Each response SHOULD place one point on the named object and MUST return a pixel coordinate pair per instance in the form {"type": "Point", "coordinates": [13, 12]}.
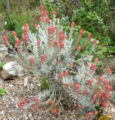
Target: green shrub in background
{"type": "Point", "coordinates": [2, 5]}
{"type": "Point", "coordinates": [15, 23]}
{"type": "Point", "coordinates": [94, 16]}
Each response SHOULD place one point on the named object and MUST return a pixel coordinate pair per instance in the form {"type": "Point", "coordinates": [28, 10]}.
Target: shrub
{"type": "Point", "coordinates": [50, 55]}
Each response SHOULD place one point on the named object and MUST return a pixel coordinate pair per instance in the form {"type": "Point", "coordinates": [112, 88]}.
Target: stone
{"type": "Point", "coordinates": [3, 52]}
{"type": "Point", "coordinates": [25, 81]}
{"type": "Point", "coordinates": [11, 70]}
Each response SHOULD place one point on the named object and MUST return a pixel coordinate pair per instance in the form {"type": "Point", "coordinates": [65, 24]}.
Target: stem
{"type": "Point", "coordinates": [51, 107]}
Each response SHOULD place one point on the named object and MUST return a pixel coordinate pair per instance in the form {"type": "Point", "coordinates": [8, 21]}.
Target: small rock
{"type": "Point", "coordinates": [25, 81]}
{"type": "Point", "coordinates": [3, 51]}
{"type": "Point", "coordinates": [11, 70]}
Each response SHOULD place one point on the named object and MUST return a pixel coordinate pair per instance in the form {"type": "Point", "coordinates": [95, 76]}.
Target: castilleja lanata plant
{"type": "Point", "coordinates": [49, 55]}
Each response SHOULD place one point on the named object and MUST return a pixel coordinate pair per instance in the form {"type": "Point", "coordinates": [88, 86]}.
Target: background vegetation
{"type": "Point", "coordinates": [94, 16]}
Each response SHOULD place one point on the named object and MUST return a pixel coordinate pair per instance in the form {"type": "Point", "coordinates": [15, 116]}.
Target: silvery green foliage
{"type": "Point", "coordinates": [54, 84]}
{"type": "Point", "coordinates": [81, 77]}
{"type": "Point", "coordinates": [50, 71]}
{"type": "Point", "coordinates": [63, 55]}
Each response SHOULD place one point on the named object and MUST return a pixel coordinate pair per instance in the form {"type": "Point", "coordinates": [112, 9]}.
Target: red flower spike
{"type": "Point", "coordinates": [52, 102]}
{"type": "Point", "coordinates": [60, 32]}
{"type": "Point", "coordinates": [54, 13]}
{"type": "Point", "coordinates": [96, 60]}
{"type": "Point", "coordinates": [19, 105]}
{"type": "Point", "coordinates": [55, 43]}
{"type": "Point", "coordinates": [24, 101]}
{"type": "Point", "coordinates": [35, 107]}
{"type": "Point", "coordinates": [43, 13]}
{"type": "Point", "coordinates": [65, 37]}
{"type": "Point", "coordinates": [72, 65]}
{"type": "Point", "coordinates": [90, 82]}
{"type": "Point", "coordinates": [67, 85]}
{"type": "Point", "coordinates": [102, 92]}
{"type": "Point", "coordinates": [51, 29]}
{"type": "Point", "coordinates": [25, 29]}
{"type": "Point", "coordinates": [60, 75]}
{"type": "Point", "coordinates": [38, 43]}
{"type": "Point", "coordinates": [107, 95]}
{"type": "Point", "coordinates": [35, 25]}
{"type": "Point", "coordinates": [81, 32]}
{"type": "Point", "coordinates": [61, 45]}
{"type": "Point", "coordinates": [41, 7]}
{"type": "Point", "coordinates": [79, 106]}
{"type": "Point", "coordinates": [43, 58]}
{"type": "Point", "coordinates": [103, 98]}
{"type": "Point", "coordinates": [35, 99]}
{"type": "Point", "coordinates": [94, 41]}
{"type": "Point", "coordinates": [106, 82]}
{"type": "Point", "coordinates": [47, 20]}
{"type": "Point", "coordinates": [94, 96]}
{"type": "Point", "coordinates": [24, 39]}
{"type": "Point", "coordinates": [14, 33]}
{"type": "Point", "coordinates": [97, 103]}
{"type": "Point", "coordinates": [104, 104]}
{"type": "Point", "coordinates": [89, 35]}
{"type": "Point", "coordinates": [32, 62]}
{"type": "Point", "coordinates": [54, 111]}
{"type": "Point", "coordinates": [79, 48]}
{"type": "Point", "coordinates": [72, 24]}
{"type": "Point", "coordinates": [26, 25]}
{"type": "Point", "coordinates": [89, 114]}
{"type": "Point", "coordinates": [66, 72]}
{"type": "Point", "coordinates": [96, 112]}
{"type": "Point", "coordinates": [61, 37]}
{"type": "Point", "coordinates": [58, 62]}
{"type": "Point", "coordinates": [85, 92]}
{"type": "Point", "coordinates": [76, 87]}
{"type": "Point", "coordinates": [108, 70]}
{"type": "Point", "coordinates": [100, 78]}
{"type": "Point", "coordinates": [40, 19]}
{"type": "Point", "coordinates": [23, 34]}
{"type": "Point", "coordinates": [108, 87]}
{"type": "Point", "coordinates": [17, 43]}
{"type": "Point", "coordinates": [92, 67]}
{"type": "Point", "coordinates": [5, 38]}
{"type": "Point", "coordinates": [46, 12]}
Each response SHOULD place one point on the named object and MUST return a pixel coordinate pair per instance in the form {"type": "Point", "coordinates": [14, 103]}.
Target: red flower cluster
{"type": "Point", "coordinates": [32, 62]}
{"type": "Point", "coordinates": [43, 58]}
{"type": "Point", "coordinates": [44, 15]}
{"type": "Point", "coordinates": [23, 101]}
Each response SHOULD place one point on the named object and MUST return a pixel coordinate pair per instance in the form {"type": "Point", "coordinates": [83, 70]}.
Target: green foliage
{"type": "Point", "coordinates": [2, 5]}
{"type": "Point", "coordinates": [15, 23]}
{"type": "Point", "coordinates": [44, 84]}
{"type": "Point", "coordinates": [2, 92]}
{"type": "Point", "coordinates": [94, 16]}
{"type": "Point", "coordinates": [2, 64]}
